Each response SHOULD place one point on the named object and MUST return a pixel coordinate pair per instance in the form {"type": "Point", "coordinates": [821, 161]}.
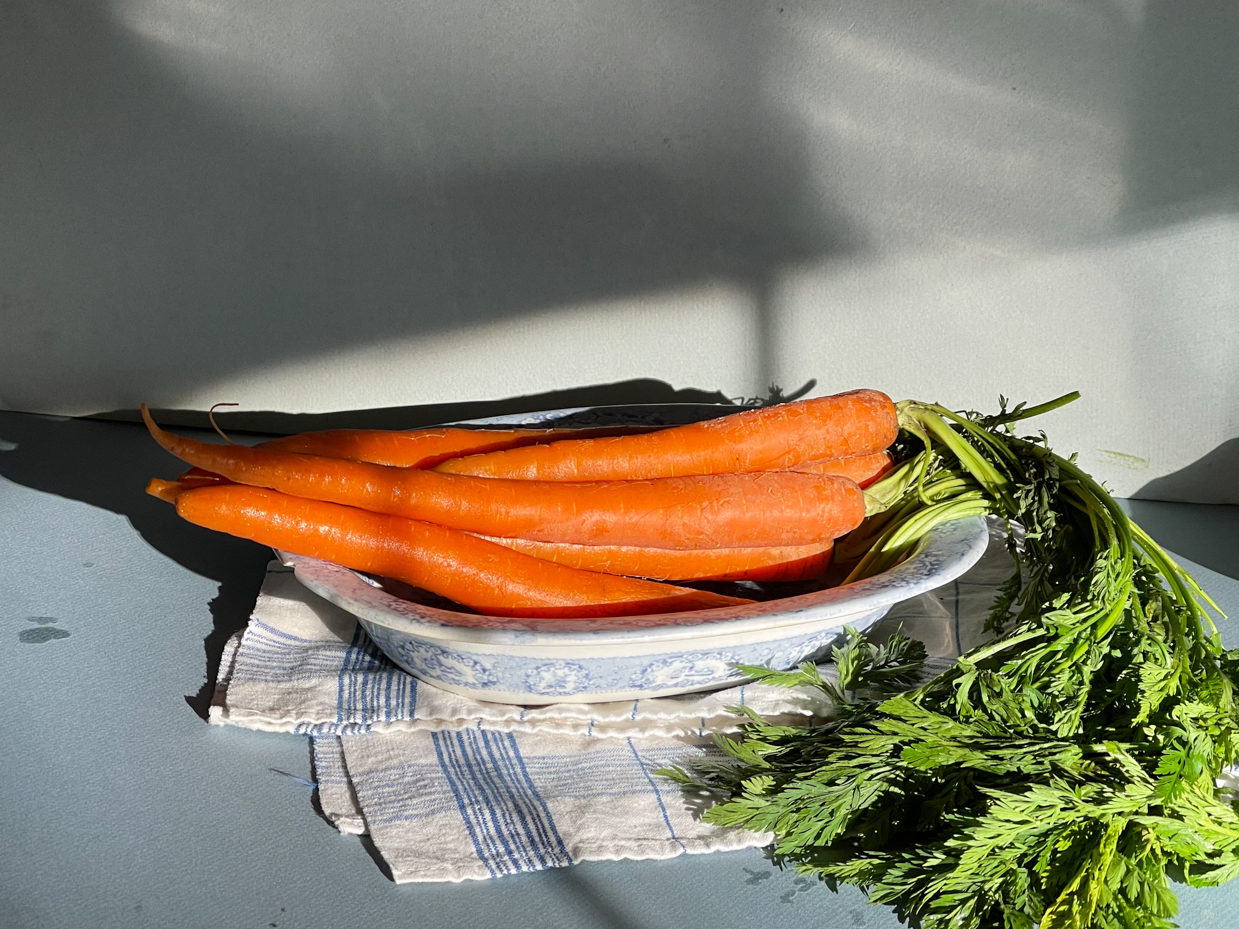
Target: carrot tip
{"type": "Point", "coordinates": [149, 420]}
{"type": "Point", "coordinates": [215, 425]}
{"type": "Point", "coordinates": [164, 490]}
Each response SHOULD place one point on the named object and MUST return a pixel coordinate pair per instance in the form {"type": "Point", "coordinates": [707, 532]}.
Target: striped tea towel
{"type": "Point", "coordinates": [452, 789]}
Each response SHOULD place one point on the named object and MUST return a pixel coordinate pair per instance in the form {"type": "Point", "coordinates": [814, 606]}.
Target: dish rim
{"type": "Point", "coordinates": [944, 554]}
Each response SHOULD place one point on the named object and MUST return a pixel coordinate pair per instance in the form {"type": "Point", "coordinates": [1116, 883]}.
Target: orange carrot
{"type": "Point", "coordinates": [769, 563]}
{"type": "Point", "coordinates": [199, 478]}
{"type": "Point", "coordinates": [863, 469]}
{"type": "Point", "coordinates": [706, 511]}
{"type": "Point", "coordinates": [418, 448]}
{"type": "Point", "coordinates": [773, 563]}
{"type": "Point", "coordinates": [423, 448]}
{"type": "Point", "coordinates": [772, 438]}
{"type": "Point", "coordinates": [167, 490]}
{"type": "Point", "coordinates": [484, 576]}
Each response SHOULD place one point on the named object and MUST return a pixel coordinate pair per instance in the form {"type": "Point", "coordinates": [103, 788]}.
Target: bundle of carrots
{"type": "Point", "coordinates": [555, 522]}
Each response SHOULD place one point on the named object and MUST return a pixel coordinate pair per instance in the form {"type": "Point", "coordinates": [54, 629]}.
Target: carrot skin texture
{"type": "Point", "coordinates": [863, 469]}
{"type": "Point", "coordinates": [708, 511]}
{"type": "Point", "coordinates": [773, 563]}
{"type": "Point", "coordinates": [803, 569]}
{"type": "Point", "coordinates": [469, 570]}
{"type": "Point", "coordinates": [418, 448]}
{"type": "Point", "coordinates": [771, 438]}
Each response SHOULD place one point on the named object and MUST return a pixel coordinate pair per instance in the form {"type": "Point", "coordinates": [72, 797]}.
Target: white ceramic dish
{"type": "Point", "coordinates": [626, 658]}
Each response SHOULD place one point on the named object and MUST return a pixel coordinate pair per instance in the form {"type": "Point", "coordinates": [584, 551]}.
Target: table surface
{"type": "Point", "coordinates": [122, 807]}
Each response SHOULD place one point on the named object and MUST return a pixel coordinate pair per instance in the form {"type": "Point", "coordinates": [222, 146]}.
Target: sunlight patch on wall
{"type": "Point", "coordinates": [936, 137]}
{"type": "Point", "coordinates": [705, 337]}
{"type": "Point", "coordinates": [1145, 327]}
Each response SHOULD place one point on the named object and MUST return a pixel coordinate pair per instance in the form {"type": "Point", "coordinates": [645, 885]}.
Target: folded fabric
{"type": "Point", "coordinates": [452, 789]}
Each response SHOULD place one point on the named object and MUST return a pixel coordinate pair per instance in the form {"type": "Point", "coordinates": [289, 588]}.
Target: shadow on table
{"type": "Point", "coordinates": [1192, 512]}
{"type": "Point", "coordinates": [1205, 534]}
{"type": "Point", "coordinates": [1213, 478]}
{"type": "Point", "coordinates": [603, 912]}
{"type": "Point", "coordinates": [107, 464]}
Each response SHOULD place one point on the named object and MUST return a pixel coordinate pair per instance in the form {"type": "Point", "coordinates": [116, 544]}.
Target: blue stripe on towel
{"type": "Point", "coordinates": [370, 688]}
{"type": "Point", "coordinates": [499, 770]}
{"type": "Point", "coordinates": [496, 812]}
{"type": "Point", "coordinates": [344, 680]}
{"type": "Point", "coordinates": [657, 795]}
{"type": "Point", "coordinates": [482, 806]}
{"type": "Point", "coordinates": [439, 739]}
{"type": "Point", "coordinates": [507, 818]}
{"type": "Point", "coordinates": [545, 823]}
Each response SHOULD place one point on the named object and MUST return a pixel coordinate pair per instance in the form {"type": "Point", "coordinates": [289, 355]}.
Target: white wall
{"type": "Point", "coordinates": [309, 206]}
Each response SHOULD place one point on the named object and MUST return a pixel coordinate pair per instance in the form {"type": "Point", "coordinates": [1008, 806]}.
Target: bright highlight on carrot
{"type": "Point", "coordinates": [420, 448]}
{"type": "Point", "coordinates": [771, 563]}
{"type": "Point", "coordinates": [462, 567]}
{"type": "Point", "coordinates": [551, 522]}
{"type": "Point", "coordinates": [706, 511]}
{"type": "Point", "coordinates": [770, 438]}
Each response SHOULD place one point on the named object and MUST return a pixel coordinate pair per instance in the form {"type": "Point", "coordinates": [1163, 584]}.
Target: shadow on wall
{"type": "Point", "coordinates": [1183, 136]}
{"type": "Point", "coordinates": [1183, 130]}
{"type": "Point", "coordinates": [1202, 534]}
{"type": "Point", "coordinates": [181, 221]}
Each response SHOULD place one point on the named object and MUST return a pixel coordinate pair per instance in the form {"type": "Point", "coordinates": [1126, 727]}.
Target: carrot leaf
{"type": "Point", "coordinates": [1052, 778]}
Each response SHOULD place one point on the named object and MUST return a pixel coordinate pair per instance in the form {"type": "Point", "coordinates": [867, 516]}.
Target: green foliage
{"type": "Point", "coordinates": [862, 666]}
{"type": "Point", "coordinates": [1050, 779]}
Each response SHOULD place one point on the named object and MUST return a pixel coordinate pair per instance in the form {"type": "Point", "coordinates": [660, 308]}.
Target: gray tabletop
{"type": "Point", "coordinates": [122, 807]}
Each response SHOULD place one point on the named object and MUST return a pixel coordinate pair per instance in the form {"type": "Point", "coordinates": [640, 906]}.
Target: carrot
{"type": "Point", "coordinates": [167, 490]}
{"type": "Point", "coordinates": [863, 469]}
{"type": "Point", "coordinates": [479, 574]}
{"type": "Point", "coordinates": [768, 563]}
{"type": "Point", "coordinates": [199, 476]}
{"type": "Point", "coordinates": [772, 438]}
{"type": "Point", "coordinates": [423, 448]}
{"type": "Point", "coordinates": [418, 448]}
{"type": "Point", "coordinates": [705, 511]}
{"type": "Point", "coordinates": [773, 563]}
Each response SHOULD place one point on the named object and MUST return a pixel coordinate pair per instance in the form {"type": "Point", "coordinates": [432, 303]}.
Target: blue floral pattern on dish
{"type": "Point", "coordinates": [557, 678]}
{"type": "Point", "coordinates": [660, 674]}
{"type": "Point", "coordinates": [435, 662]}
{"type": "Point", "coordinates": [538, 661]}
{"type": "Point", "coordinates": [691, 669]}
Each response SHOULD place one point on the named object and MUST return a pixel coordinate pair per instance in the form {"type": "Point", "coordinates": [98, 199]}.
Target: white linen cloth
{"type": "Point", "coordinates": [452, 789]}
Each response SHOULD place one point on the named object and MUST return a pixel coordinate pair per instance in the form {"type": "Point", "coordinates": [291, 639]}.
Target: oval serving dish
{"type": "Point", "coordinates": [542, 661]}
